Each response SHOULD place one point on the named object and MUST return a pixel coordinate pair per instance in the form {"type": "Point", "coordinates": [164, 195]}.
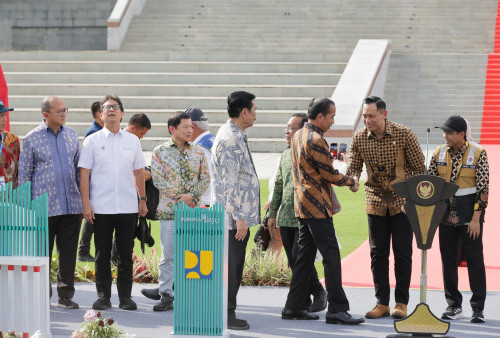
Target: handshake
{"type": "Point", "coordinates": [355, 187]}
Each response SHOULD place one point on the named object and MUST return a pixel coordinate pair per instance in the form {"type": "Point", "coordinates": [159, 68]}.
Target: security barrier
{"type": "Point", "coordinates": [24, 263]}
{"type": "Point", "coordinates": [200, 306]}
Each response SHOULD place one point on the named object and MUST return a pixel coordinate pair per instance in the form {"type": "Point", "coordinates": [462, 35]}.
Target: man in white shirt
{"type": "Point", "coordinates": [109, 199]}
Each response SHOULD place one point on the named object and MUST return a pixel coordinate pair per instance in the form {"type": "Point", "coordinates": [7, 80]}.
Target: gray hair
{"type": "Point", "coordinates": [203, 125]}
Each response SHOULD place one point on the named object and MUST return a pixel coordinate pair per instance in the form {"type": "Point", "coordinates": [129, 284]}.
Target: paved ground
{"type": "Point", "coordinates": [261, 306]}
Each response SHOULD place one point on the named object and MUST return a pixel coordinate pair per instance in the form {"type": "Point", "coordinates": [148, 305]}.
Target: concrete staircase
{"type": "Point", "coordinates": [158, 88]}
{"type": "Point", "coordinates": [423, 26]}
{"type": "Point", "coordinates": [188, 53]}
{"type": "Point", "coordinates": [422, 90]}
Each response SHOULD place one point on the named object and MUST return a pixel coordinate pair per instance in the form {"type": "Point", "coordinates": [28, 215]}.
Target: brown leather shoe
{"type": "Point", "coordinates": [399, 311]}
{"type": "Point", "coordinates": [378, 311]}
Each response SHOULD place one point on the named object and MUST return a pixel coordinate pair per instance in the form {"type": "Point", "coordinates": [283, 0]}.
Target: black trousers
{"type": "Point", "coordinates": [123, 226]}
{"type": "Point", "coordinates": [317, 234]}
{"type": "Point", "coordinates": [236, 261]}
{"type": "Point", "coordinates": [290, 239]}
{"type": "Point", "coordinates": [381, 230]}
{"type": "Point", "coordinates": [449, 238]}
{"type": "Point", "coordinates": [65, 229]}
{"type": "Point", "coordinates": [87, 232]}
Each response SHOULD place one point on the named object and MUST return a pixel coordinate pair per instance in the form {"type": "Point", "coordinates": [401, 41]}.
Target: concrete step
{"type": "Point", "coordinates": [172, 66]}
{"type": "Point", "coordinates": [179, 77]}
{"type": "Point", "coordinates": [83, 115]}
{"type": "Point", "coordinates": [158, 102]}
{"type": "Point", "coordinates": [159, 129]}
{"type": "Point", "coordinates": [140, 55]}
{"type": "Point", "coordinates": [100, 89]}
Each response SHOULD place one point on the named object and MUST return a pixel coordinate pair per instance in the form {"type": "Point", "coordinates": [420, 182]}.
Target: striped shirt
{"type": "Point", "coordinates": [313, 174]}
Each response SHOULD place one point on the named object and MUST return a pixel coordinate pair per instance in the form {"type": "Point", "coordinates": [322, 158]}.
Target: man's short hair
{"type": "Point", "coordinates": [381, 107]}
{"type": "Point", "coordinates": [319, 105]}
{"type": "Point", "coordinates": [175, 119]}
{"type": "Point", "coordinates": [95, 108]}
{"type": "Point", "coordinates": [303, 118]}
{"type": "Point", "coordinates": [140, 121]}
{"type": "Point", "coordinates": [114, 98]}
{"type": "Point", "coordinates": [237, 101]}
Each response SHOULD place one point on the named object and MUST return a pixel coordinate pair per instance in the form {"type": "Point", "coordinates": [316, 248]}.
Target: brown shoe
{"type": "Point", "coordinates": [378, 311]}
{"type": "Point", "coordinates": [399, 311]}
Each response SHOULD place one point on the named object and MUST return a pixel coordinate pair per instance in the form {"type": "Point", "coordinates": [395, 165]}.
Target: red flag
{"type": "Point", "coordinates": [4, 95]}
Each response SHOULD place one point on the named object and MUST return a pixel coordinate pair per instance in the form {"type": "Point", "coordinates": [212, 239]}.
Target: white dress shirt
{"type": "Point", "coordinates": [112, 160]}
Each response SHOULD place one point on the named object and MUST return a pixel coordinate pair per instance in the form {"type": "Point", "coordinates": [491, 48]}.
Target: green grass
{"type": "Point", "coordinates": [350, 224]}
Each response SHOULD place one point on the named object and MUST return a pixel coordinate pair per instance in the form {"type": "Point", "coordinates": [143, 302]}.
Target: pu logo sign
{"type": "Point", "coordinates": [198, 264]}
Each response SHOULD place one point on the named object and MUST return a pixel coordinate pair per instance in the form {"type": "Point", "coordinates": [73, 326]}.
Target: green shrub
{"type": "Point", "coordinates": [264, 268]}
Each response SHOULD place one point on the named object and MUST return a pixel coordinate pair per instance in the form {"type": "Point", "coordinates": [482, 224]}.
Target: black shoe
{"type": "Point", "coordinates": [320, 301]}
{"type": "Point", "coordinates": [86, 258]}
{"type": "Point", "coordinates": [237, 324]}
{"type": "Point", "coordinates": [101, 304]}
{"type": "Point", "coordinates": [294, 314]}
{"type": "Point", "coordinates": [452, 312]}
{"type": "Point", "coordinates": [477, 317]}
{"type": "Point", "coordinates": [67, 303]}
{"type": "Point", "coordinates": [127, 304]}
{"type": "Point", "coordinates": [342, 317]}
{"type": "Point", "coordinates": [151, 293]}
{"type": "Point", "coordinates": [166, 303]}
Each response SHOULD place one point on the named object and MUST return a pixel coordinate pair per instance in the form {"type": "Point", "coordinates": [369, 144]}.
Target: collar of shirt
{"type": "Point", "coordinates": [201, 135]}
{"type": "Point", "coordinates": [460, 151]}
{"type": "Point", "coordinates": [47, 128]}
{"type": "Point", "coordinates": [171, 144]}
{"type": "Point", "coordinates": [237, 130]}
{"type": "Point", "coordinates": [388, 130]}
{"type": "Point", "coordinates": [107, 132]}
{"type": "Point", "coordinates": [313, 128]}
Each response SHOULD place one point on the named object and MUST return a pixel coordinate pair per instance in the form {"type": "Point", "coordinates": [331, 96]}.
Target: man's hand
{"type": "Point", "coordinates": [355, 187]}
{"type": "Point", "coordinates": [268, 204]}
{"type": "Point", "coordinates": [143, 209]}
{"type": "Point", "coordinates": [242, 229]}
{"type": "Point", "coordinates": [147, 175]}
{"type": "Point", "coordinates": [474, 228]}
{"type": "Point", "coordinates": [88, 213]}
{"type": "Point", "coordinates": [186, 198]}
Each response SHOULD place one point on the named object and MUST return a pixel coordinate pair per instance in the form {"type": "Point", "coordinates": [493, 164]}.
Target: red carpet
{"type": "Point", "coordinates": [356, 267]}
{"type": "Point", "coordinates": [490, 128]}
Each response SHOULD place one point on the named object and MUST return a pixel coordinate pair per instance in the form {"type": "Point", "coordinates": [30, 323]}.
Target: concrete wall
{"type": "Point", "coordinates": [54, 24]}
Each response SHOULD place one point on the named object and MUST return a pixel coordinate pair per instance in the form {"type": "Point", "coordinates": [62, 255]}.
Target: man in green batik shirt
{"type": "Point", "coordinates": [282, 200]}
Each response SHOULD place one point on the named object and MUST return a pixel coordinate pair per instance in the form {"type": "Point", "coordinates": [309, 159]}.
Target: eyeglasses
{"type": "Point", "coordinates": [108, 107]}
{"type": "Point", "coordinates": [62, 111]}
{"type": "Point", "coordinates": [290, 129]}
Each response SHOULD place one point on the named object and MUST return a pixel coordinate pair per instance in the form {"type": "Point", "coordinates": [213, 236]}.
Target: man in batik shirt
{"type": "Point", "coordinates": [180, 172]}
{"type": "Point", "coordinates": [236, 188]}
{"type": "Point", "coordinates": [9, 150]}
{"type": "Point", "coordinates": [49, 159]}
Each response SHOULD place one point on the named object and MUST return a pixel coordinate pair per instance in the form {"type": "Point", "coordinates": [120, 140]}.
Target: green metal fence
{"type": "Point", "coordinates": [23, 222]}
{"type": "Point", "coordinates": [199, 271]}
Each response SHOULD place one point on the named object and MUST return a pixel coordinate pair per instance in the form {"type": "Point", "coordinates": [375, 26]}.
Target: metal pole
{"type": "Point", "coordinates": [423, 278]}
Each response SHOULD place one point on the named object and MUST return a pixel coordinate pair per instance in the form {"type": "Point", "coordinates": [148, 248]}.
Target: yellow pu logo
{"type": "Point", "coordinates": [198, 264]}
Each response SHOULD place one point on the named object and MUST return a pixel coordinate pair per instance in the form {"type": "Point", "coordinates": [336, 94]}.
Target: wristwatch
{"type": "Point", "coordinates": [144, 198]}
